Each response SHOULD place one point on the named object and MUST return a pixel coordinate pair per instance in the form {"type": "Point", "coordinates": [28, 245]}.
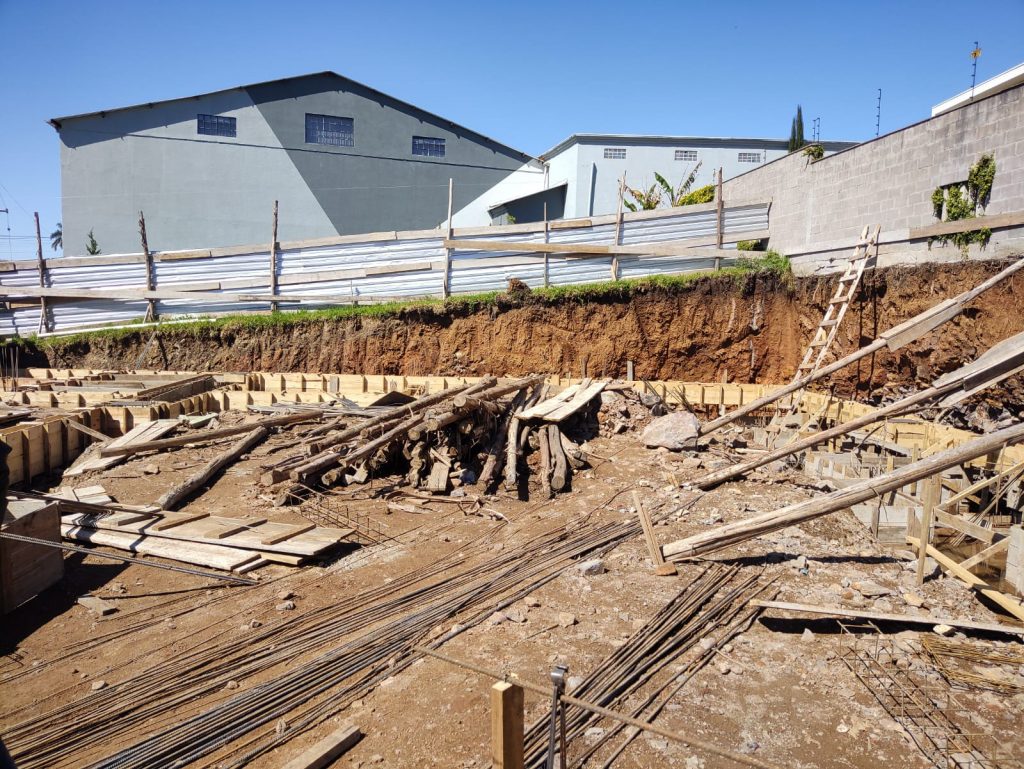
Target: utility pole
{"type": "Point", "coordinates": [878, 113]}
{"type": "Point", "coordinates": [975, 54]}
{"type": "Point", "coordinates": [817, 129]}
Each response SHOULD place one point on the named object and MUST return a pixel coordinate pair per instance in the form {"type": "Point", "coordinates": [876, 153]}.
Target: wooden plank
{"type": "Point", "coordinates": [994, 222]}
{"type": "Point", "coordinates": [648, 527]}
{"type": "Point", "coordinates": [1005, 601]}
{"type": "Point", "coordinates": [141, 432]}
{"type": "Point", "coordinates": [913, 619]}
{"type": "Point", "coordinates": [328, 750]}
{"type": "Point", "coordinates": [961, 524]}
{"type": "Point", "coordinates": [1000, 547]}
{"type": "Point", "coordinates": [665, 248]}
{"type": "Point", "coordinates": [542, 408]}
{"type": "Point", "coordinates": [199, 554]}
{"type": "Point", "coordinates": [507, 725]}
{"type": "Point", "coordinates": [86, 430]}
{"type": "Point", "coordinates": [579, 400]}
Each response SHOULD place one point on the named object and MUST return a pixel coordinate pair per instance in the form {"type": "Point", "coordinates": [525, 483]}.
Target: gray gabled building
{"type": "Point", "coordinates": [339, 156]}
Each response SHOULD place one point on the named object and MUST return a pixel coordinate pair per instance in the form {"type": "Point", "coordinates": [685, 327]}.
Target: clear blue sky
{"type": "Point", "coordinates": [526, 73]}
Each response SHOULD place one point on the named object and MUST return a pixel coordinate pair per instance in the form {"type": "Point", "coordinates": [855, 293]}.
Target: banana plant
{"type": "Point", "coordinates": [676, 194]}
{"type": "Point", "coordinates": [643, 200]}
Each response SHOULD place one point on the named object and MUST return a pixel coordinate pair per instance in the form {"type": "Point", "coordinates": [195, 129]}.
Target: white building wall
{"type": "Point", "coordinates": [602, 174]}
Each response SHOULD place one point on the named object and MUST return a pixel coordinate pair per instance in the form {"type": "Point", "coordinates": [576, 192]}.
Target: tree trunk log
{"type": "Point", "coordinates": [178, 494]}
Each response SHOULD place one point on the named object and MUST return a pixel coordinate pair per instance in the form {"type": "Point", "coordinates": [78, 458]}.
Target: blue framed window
{"type": "Point", "coordinates": [428, 146]}
{"type": "Point", "coordinates": [327, 129]}
{"type": "Point", "coordinates": [216, 125]}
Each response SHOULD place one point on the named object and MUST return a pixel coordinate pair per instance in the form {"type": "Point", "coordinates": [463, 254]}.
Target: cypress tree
{"type": "Point", "coordinates": [796, 130]}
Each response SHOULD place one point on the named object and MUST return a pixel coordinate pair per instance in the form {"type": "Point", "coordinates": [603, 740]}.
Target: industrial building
{"type": "Point", "coordinates": [584, 170]}
{"type": "Point", "coordinates": [340, 157]}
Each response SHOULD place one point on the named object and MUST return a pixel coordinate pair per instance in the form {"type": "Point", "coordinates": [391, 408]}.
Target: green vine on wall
{"type": "Point", "coordinates": [962, 200]}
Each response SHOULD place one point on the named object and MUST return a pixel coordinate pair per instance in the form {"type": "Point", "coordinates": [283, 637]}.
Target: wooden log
{"type": "Point", "coordinates": [507, 726]}
{"type": "Point", "coordinates": [208, 435]}
{"type": "Point", "coordinates": [182, 491]}
{"type": "Point", "coordinates": [861, 491]}
{"type": "Point", "coordinates": [398, 412]}
{"type": "Point", "coordinates": [326, 751]}
{"type": "Point", "coordinates": [574, 454]}
{"type": "Point", "coordinates": [512, 454]}
{"type": "Point", "coordinates": [359, 455]}
{"type": "Point", "coordinates": [437, 481]}
{"type": "Point", "coordinates": [496, 452]}
{"type": "Point", "coordinates": [545, 463]}
{"type": "Point", "coordinates": [560, 471]}
{"type": "Point", "coordinates": [893, 338]}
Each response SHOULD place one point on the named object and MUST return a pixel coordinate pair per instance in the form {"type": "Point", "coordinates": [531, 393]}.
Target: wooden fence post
{"type": "Point", "coordinates": [719, 218]}
{"type": "Point", "coordinates": [44, 318]}
{"type": "Point", "coordinates": [445, 284]}
{"type": "Point", "coordinates": [618, 227]}
{"type": "Point", "coordinates": [545, 240]}
{"type": "Point", "coordinates": [506, 726]}
{"type": "Point", "coordinates": [151, 313]}
{"type": "Point", "coordinates": [273, 260]}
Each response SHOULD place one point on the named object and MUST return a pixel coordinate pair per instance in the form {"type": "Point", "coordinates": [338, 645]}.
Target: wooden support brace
{"type": "Point", "coordinates": [273, 259]}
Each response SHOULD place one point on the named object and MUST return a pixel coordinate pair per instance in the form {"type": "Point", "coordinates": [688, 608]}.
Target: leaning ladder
{"type": "Point", "coordinates": [864, 253]}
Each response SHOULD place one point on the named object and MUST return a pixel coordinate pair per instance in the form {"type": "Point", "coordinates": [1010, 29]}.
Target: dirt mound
{"type": "Point", "coordinates": [753, 330]}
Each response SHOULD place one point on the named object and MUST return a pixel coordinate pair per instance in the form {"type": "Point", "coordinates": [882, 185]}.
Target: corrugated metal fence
{"type": "Point", "coordinates": [371, 267]}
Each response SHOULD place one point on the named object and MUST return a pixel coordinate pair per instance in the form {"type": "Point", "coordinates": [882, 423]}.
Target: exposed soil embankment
{"type": "Point", "coordinates": [754, 329]}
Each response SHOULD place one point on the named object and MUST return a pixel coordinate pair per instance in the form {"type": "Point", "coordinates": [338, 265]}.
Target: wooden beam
{"type": "Point", "coordinates": [964, 526]}
{"type": "Point", "coordinates": [327, 751]}
{"type": "Point", "coordinates": [182, 491]}
{"type": "Point", "coordinates": [932, 490]}
{"type": "Point", "coordinates": [995, 222]}
{"type": "Point", "coordinates": [676, 249]}
{"type": "Point", "coordinates": [1001, 546]}
{"type": "Point", "coordinates": [648, 527]}
{"type": "Point", "coordinates": [912, 619]}
{"type": "Point", "coordinates": [719, 216]}
{"type": "Point", "coordinates": [1011, 605]}
{"type": "Point", "coordinates": [506, 726]}
{"type": "Point", "coordinates": [446, 280]}
{"type": "Point", "coordinates": [86, 430]}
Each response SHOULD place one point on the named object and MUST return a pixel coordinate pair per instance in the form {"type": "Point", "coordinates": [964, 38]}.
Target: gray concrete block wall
{"type": "Point", "coordinates": [889, 182]}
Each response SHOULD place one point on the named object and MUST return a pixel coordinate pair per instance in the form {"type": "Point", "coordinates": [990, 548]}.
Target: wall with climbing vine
{"type": "Point", "coordinates": [957, 165]}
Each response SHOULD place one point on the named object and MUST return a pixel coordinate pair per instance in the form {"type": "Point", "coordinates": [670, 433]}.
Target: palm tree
{"type": "Point", "coordinates": [57, 237]}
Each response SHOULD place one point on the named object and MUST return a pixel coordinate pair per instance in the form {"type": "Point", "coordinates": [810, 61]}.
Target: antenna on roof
{"type": "Point", "coordinates": [878, 112]}
{"type": "Point", "coordinates": [975, 55]}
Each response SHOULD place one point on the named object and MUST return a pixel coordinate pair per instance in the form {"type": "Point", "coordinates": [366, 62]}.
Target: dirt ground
{"type": "Point", "coordinates": [778, 692]}
{"type": "Point", "coordinates": [750, 331]}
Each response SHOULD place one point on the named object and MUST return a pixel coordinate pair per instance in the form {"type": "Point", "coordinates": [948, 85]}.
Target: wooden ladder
{"type": "Point", "coordinates": [864, 254]}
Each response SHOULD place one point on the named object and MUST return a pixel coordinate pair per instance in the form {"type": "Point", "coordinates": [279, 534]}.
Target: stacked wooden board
{"type": "Point", "coordinates": [234, 544]}
{"type": "Point", "coordinates": [566, 403]}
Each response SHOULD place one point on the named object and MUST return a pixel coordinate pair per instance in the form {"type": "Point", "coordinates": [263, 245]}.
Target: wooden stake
{"type": "Point", "coordinates": [44, 318]}
{"type": "Point", "coordinates": [560, 471]}
{"type": "Point", "coordinates": [629, 371]}
{"type": "Point", "coordinates": [506, 726]}
{"type": "Point", "coordinates": [446, 281]}
{"type": "Point", "coordinates": [929, 499]}
{"type": "Point", "coordinates": [273, 259]}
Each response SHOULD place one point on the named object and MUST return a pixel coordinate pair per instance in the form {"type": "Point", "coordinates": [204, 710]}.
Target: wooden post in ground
{"type": "Point", "coordinates": [273, 259]}
{"type": "Point", "coordinates": [719, 218]}
{"type": "Point", "coordinates": [618, 227]}
{"type": "Point", "coordinates": [151, 284]}
{"type": "Point", "coordinates": [629, 371]}
{"type": "Point", "coordinates": [929, 499]}
{"type": "Point", "coordinates": [44, 319]}
{"type": "Point", "coordinates": [446, 281]}
{"type": "Point", "coordinates": [506, 726]}
{"type": "Point", "coordinates": [546, 228]}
